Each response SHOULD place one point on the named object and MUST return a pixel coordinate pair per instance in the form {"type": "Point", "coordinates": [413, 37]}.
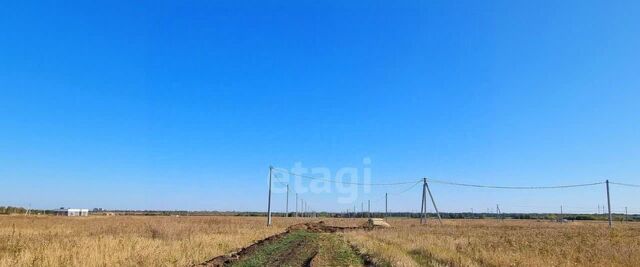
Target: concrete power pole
{"type": "Point", "coordinates": [626, 214]}
{"type": "Point", "coordinates": [432, 201]}
{"type": "Point", "coordinates": [609, 204]}
{"type": "Point", "coordinates": [386, 205]}
{"type": "Point", "coordinates": [287, 206]}
{"type": "Point", "coordinates": [296, 204]}
{"type": "Point", "coordinates": [423, 207]}
{"type": "Point", "coordinates": [369, 208]}
{"type": "Point", "coordinates": [269, 202]}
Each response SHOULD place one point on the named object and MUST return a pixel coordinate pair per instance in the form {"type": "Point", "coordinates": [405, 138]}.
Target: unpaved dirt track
{"type": "Point", "coordinates": [308, 244]}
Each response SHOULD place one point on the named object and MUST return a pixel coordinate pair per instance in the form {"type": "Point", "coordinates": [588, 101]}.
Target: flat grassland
{"type": "Point", "coordinates": [188, 240]}
{"type": "Point", "coordinates": [126, 240]}
{"type": "Point", "coordinates": [501, 243]}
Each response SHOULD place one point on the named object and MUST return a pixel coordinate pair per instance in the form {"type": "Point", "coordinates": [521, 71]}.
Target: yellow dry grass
{"type": "Point", "coordinates": [125, 240]}
{"type": "Point", "coordinates": [183, 241]}
{"type": "Point", "coordinates": [506, 243]}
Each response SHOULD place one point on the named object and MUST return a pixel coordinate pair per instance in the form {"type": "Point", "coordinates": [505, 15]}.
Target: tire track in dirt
{"type": "Point", "coordinates": [292, 248]}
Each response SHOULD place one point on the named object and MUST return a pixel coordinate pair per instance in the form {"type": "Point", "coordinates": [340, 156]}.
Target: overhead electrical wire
{"type": "Point", "coordinates": [625, 184]}
{"type": "Point", "coordinates": [436, 181]}
{"type": "Point", "coordinates": [414, 183]}
{"type": "Point", "coordinates": [343, 182]}
{"type": "Point", "coordinates": [512, 187]}
{"type": "Point", "coordinates": [399, 192]}
{"type": "Point", "coordinates": [407, 189]}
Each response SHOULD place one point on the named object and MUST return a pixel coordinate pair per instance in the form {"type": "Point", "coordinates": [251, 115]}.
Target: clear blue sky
{"type": "Point", "coordinates": [185, 104]}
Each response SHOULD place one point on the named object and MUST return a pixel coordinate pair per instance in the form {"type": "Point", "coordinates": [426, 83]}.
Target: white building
{"type": "Point", "coordinates": [71, 212]}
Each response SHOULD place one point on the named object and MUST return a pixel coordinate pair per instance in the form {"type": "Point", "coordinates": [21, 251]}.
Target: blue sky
{"type": "Point", "coordinates": [184, 105]}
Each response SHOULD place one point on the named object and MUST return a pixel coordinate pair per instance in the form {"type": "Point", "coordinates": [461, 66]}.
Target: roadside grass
{"type": "Point", "coordinates": [132, 240]}
{"type": "Point", "coordinates": [127, 240]}
{"type": "Point", "coordinates": [501, 243]}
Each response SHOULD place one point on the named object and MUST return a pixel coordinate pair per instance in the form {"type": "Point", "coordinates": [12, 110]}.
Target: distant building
{"type": "Point", "coordinates": [71, 212]}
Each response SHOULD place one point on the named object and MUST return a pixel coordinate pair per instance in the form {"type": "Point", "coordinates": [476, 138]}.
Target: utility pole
{"type": "Point", "coordinates": [287, 207]}
{"type": "Point", "coordinates": [626, 214]}
{"type": "Point", "coordinates": [561, 215]}
{"type": "Point", "coordinates": [432, 201]}
{"type": "Point", "coordinates": [269, 202]}
{"type": "Point", "coordinates": [609, 204]}
{"type": "Point", "coordinates": [422, 207]}
{"type": "Point", "coordinates": [296, 204]}
{"type": "Point", "coordinates": [369, 208]}
{"type": "Point", "coordinates": [362, 209]}
{"type": "Point", "coordinates": [386, 205]}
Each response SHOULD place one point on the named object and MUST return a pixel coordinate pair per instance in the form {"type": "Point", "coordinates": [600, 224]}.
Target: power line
{"type": "Point", "coordinates": [279, 181]}
{"type": "Point", "coordinates": [512, 187]}
{"type": "Point", "coordinates": [624, 184]}
{"type": "Point", "coordinates": [397, 193]}
{"type": "Point", "coordinates": [415, 182]}
{"type": "Point", "coordinates": [342, 182]}
{"type": "Point", "coordinates": [406, 189]}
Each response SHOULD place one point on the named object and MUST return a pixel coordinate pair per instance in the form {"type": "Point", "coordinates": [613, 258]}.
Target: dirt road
{"type": "Point", "coordinates": [309, 244]}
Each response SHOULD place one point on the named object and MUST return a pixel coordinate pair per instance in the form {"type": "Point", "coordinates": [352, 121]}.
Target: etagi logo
{"type": "Point", "coordinates": [346, 182]}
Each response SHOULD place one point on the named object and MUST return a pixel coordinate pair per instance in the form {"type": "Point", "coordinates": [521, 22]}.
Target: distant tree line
{"type": "Point", "coordinates": [4, 210]}
{"type": "Point", "coordinates": [12, 210]}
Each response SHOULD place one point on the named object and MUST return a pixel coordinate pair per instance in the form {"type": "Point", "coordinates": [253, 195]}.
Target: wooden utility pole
{"type": "Point", "coordinates": [432, 201]}
{"type": "Point", "coordinates": [269, 202]}
{"type": "Point", "coordinates": [609, 204]}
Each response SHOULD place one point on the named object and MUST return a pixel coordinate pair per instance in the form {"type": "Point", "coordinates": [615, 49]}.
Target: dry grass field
{"type": "Point", "coordinates": [506, 243]}
{"type": "Point", "coordinates": [125, 240]}
{"type": "Point", "coordinates": [183, 241]}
